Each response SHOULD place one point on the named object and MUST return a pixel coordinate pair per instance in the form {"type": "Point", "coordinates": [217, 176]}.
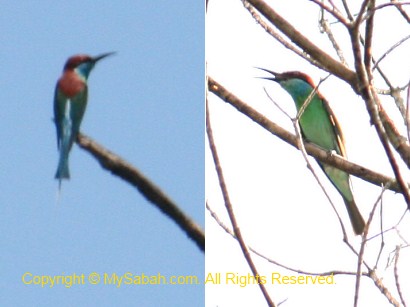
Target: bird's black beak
{"type": "Point", "coordinates": [275, 74]}
{"type": "Point", "coordinates": [102, 56]}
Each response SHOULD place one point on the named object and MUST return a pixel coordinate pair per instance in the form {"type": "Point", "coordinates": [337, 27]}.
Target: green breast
{"type": "Point", "coordinates": [315, 121]}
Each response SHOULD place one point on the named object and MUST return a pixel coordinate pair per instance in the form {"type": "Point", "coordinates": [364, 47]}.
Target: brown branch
{"type": "Point", "coordinates": [149, 190]}
{"type": "Point", "coordinates": [318, 153]}
{"type": "Point", "coordinates": [379, 284]}
{"type": "Point", "coordinates": [396, 276]}
{"type": "Point", "coordinates": [370, 274]}
{"type": "Point", "coordinates": [347, 10]}
{"type": "Point", "coordinates": [398, 5]}
{"type": "Point", "coordinates": [393, 91]}
{"type": "Point", "coordinates": [361, 15]}
{"type": "Point", "coordinates": [257, 17]}
{"type": "Point", "coordinates": [373, 105]}
{"type": "Point", "coordinates": [392, 48]}
{"type": "Point", "coordinates": [301, 147]}
{"type": "Point", "coordinates": [398, 141]}
{"type": "Point", "coordinates": [325, 61]}
{"type": "Point", "coordinates": [394, 136]}
{"type": "Point", "coordinates": [325, 27]}
{"type": "Point", "coordinates": [270, 260]}
{"type": "Point", "coordinates": [360, 258]}
{"type": "Point", "coordinates": [333, 11]}
{"type": "Point", "coordinates": [402, 11]}
{"type": "Point", "coordinates": [408, 111]}
{"type": "Point", "coordinates": [368, 41]}
{"type": "Point", "coordinates": [229, 209]}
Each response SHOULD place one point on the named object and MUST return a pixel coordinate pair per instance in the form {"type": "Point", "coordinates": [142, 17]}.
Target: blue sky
{"type": "Point", "coordinates": [145, 104]}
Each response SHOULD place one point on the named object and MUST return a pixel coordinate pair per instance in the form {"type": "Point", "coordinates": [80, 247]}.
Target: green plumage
{"type": "Point", "coordinates": [78, 104]}
{"type": "Point", "coordinates": [319, 126]}
{"type": "Point", "coordinates": [70, 102]}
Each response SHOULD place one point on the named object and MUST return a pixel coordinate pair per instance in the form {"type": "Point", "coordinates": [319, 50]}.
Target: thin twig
{"type": "Point", "coordinates": [361, 15]}
{"type": "Point", "coordinates": [302, 149]}
{"type": "Point", "coordinates": [392, 3]}
{"type": "Point", "coordinates": [309, 166]}
{"type": "Point", "coordinates": [324, 25]}
{"type": "Point", "coordinates": [276, 35]}
{"type": "Point", "coordinates": [230, 211]}
{"type": "Point", "coordinates": [277, 104]}
{"type": "Point", "coordinates": [383, 289]}
{"type": "Point", "coordinates": [408, 111]}
{"type": "Point", "coordinates": [370, 274]}
{"type": "Point", "coordinates": [310, 97]}
{"type": "Point", "coordinates": [270, 260]}
{"type": "Point", "coordinates": [382, 244]}
{"type": "Point", "coordinates": [360, 258]}
{"type": "Point", "coordinates": [396, 276]}
{"type": "Point", "coordinates": [324, 61]}
{"type": "Point", "coordinates": [373, 105]}
{"type": "Point", "coordinates": [384, 55]}
{"type": "Point", "coordinates": [347, 10]}
{"type": "Point", "coordinates": [333, 11]}
{"type": "Point", "coordinates": [402, 11]}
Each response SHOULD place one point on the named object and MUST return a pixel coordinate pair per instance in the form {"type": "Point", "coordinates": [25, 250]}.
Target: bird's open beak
{"type": "Point", "coordinates": [100, 57]}
{"type": "Point", "coordinates": [275, 74]}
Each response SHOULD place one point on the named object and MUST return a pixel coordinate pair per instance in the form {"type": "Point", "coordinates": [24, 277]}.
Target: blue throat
{"type": "Point", "coordinates": [298, 89]}
{"type": "Point", "coordinates": [84, 69]}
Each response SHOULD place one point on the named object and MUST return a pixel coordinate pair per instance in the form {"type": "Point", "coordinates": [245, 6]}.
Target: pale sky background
{"type": "Point", "coordinates": [280, 208]}
{"type": "Point", "coordinates": [145, 104]}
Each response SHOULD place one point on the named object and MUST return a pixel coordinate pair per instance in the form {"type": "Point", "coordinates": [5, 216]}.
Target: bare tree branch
{"type": "Point", "coordinates": [333, 11]}
{"type": "Point", "coordinates": [148, 189]}
{"type": "Point", "coordinates": [394, 91]}
{"type": "Point", "coordinates": [258, 18]}
{"type": "Point", "coordinates": [392, 3]}
{"type": "Point", "coordinates": [382, 288]}
{"type": "Point", "coordinates": [408, 111]}
{"type": "Point", "coordinates": [370, 97]}
{"type": "Point", "coordinates": [370, 274]}
{"type": "Point", "coordinates": [390, 50]}
{"type": "Point", "coordinates": [396, 276]}
{"type": "Point", "coordinates": [230, 211]}
{"type": "Point", "coordinates": [324, 25]}
{"type": "Point", "coordinates": [320, 154]}
{"type": "Point", "coordinates": [270, 260]}
{"type": "Point", "coordinates": [401, 10]}
{"type": "Point", "coordinates": [325, 61]}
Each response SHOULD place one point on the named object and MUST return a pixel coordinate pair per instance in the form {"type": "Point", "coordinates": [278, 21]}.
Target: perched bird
{"type": "Point", "coordinates": [70, 101]}
{"type": "Point", "coordinates": [319, 126]}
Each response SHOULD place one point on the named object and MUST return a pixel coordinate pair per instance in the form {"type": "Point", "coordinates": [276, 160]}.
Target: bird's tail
{"type": "Point", "coordinates": [62, 169]}
{"type": "Point", "coordinates": [355, 217]}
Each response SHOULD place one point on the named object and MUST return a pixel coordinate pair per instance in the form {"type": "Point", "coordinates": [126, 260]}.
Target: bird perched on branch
{"type": "Point", "coordinates": [319, 126]}
{"type": "Point", "coordinates": [70, 101]}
